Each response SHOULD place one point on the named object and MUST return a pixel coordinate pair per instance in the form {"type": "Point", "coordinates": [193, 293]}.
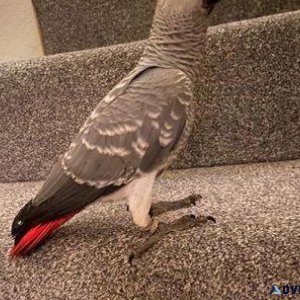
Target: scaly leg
{"type": "Point", "coordinates": [165, 206]}
{"type": "Point", "coordinates": [185, 222]}
{"type": "Point", "coordinates": [162, 207]}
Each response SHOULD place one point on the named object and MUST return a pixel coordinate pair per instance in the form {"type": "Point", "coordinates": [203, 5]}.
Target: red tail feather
{"type": "Point", "coordinates": [36, 235]}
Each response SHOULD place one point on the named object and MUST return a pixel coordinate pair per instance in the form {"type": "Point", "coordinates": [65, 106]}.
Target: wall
{"type": "Point", "coordinates": [19, 33]}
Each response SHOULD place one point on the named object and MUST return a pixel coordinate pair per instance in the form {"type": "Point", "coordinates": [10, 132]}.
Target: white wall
{"type": "Point", "coordinates": [19, 33]}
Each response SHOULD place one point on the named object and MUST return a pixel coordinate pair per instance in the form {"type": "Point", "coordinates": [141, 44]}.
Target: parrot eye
{"type": "Point", "coordinates": [20, 223]}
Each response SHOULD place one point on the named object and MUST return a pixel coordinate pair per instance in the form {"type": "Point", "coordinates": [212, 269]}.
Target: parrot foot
{"type": "Point", "coordinates": [185, 222]}
{"type": "Point", "coordinates": [165, 206]}
{"type": "Point", "coordinates": [154, 225]}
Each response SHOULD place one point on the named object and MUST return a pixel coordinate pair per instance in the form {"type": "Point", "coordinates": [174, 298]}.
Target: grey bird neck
{"type": "Point", "coordinates": [177, 39]}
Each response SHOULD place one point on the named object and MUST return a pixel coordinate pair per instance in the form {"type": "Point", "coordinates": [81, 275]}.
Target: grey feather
{"type": "Point", "coordinates": [134, 133]}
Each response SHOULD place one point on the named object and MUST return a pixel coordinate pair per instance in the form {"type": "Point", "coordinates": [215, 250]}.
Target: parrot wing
{"type": "Point", "coordinates": [132, 134]}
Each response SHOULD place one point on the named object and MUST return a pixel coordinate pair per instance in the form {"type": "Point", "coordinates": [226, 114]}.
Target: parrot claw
{"type": "Point", "coordinates": [162, 229]}
{"type": "Point", "coordinates": [212, 219]}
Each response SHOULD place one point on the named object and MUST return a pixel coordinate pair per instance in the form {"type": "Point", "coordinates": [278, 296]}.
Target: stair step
{"type": "Point", "coordinates": [254, 243]}
{"type": "Point", "coordinates": [248, 98]}
{"type": "Point", "coordinates": [77, 25]}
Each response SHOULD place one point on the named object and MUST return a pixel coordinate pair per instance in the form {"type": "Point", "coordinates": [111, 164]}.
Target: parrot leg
{"type": "Point", "coordinates": [162, 207]}
{"type": "Point", "coordinates": [139, 200]}
{"type": "Point", "coordinates": [185, 222]}
{"type": "Point", "coordinates": [165, 206]}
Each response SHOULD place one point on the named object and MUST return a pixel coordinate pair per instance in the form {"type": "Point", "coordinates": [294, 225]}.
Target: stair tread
{"type": "Point", "coordinates": [254, 244]}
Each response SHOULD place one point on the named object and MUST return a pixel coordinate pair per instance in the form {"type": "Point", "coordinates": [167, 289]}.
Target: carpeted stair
{"type": "Point", "coordinates": [255, 243]}
{"type": "Point", "coordinates": [77, 25]}
{"type": "Point", "coordinates": [248, 98]}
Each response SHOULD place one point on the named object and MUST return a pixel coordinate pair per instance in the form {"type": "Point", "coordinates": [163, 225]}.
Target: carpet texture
{"type": "Point", "coordinates": [77, 25]}
{"type": "Point", "coordinates": [255, 243]}
{"type": "Point", "coordinates": [248, 98]}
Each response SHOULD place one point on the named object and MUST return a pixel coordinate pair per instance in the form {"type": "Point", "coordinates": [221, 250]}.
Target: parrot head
{"type": "Point", "coordinates": [182, 16]}
{"type": "Point", "coordinates": [206, 6]}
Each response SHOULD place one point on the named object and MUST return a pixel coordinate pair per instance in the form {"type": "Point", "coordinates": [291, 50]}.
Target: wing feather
{"type": "Point", "coordinates": [134, 133]}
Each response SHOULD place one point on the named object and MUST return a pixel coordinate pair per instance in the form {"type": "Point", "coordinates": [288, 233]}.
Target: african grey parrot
{"type": "Point", "coordinates": [132, 135]}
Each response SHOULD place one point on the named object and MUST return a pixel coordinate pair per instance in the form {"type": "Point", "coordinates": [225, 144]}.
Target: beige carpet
{"type": "Point", "coordinates": [255, 243]}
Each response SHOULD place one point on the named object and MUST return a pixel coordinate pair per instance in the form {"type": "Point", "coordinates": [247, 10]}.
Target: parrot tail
{"type": "Point", "coordinates": [59, 199]}
{"type": "Point", "coordinates": [37, 234]}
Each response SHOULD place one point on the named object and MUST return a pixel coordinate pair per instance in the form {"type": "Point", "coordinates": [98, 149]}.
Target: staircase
{"type": "Point", "coordinates": [243, 157]}
{"type": "Point", "coordinates": [78, 25]}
